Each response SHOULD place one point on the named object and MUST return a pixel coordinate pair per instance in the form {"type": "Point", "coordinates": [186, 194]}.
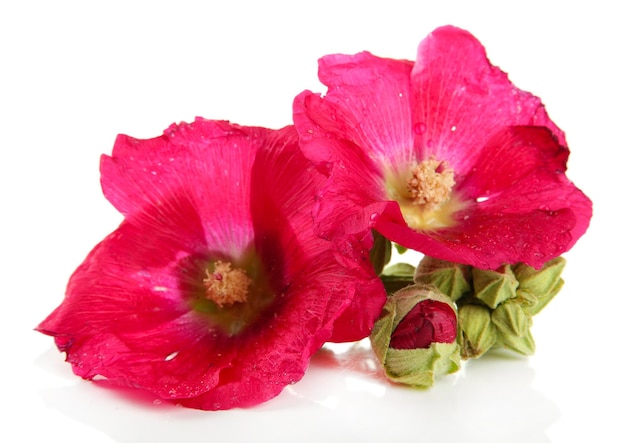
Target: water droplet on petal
{"type": "Point", "coordinates": [171, 356]}
{"type": "Point", "coordinates": [373, 219]}
{"type": "Point", "coordinates": [419, 128]}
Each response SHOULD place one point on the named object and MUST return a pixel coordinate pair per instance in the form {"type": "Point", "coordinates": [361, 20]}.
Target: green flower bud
{"type": "Point", "coordinates": [513, 325]}
{"type": "Point", "coordinates": [543, 284]}
{"type": "Point", "coordinates": [450, 278]}
{"type": "Point", "coordinates": [415, 336]}
{"type": "Point", "coordinates": [477, 332]}
{"type": "Point", "coordinates": [494, 287]}
{"type": "Point", "coordinates": [380, 254]}
{"type": "Point", "coordinates": [524, 344]}
{"type": "Point", "coordinates": [510, 319]}
{"type": "Point", "coordinates": [397, 276]}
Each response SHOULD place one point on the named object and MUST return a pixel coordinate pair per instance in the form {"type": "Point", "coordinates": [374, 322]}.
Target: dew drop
{"type": "Point", "coordinates": [373, 219]}
{"type": "Point", "coordinates": [419, 128]}
{"type": "Point", "coordinates": [171, 356]}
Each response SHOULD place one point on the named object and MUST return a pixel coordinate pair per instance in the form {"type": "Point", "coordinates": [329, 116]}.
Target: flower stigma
{"type": "Point", "coordinates": [226, 286]}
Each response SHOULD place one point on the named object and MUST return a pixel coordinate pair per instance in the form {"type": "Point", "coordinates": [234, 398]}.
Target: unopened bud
{"type": "Point", "coordinates": [477, 333]}
{"type": "Point", "coordinates": [452, 279]}
{"type": "Point", "coordinates": [415, 337]}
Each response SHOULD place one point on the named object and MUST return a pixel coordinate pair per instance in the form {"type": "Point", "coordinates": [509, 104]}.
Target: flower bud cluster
{"type": "Point", "coordinates": [495, 307]}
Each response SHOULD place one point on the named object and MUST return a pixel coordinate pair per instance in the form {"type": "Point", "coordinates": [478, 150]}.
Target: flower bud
{"type": "Point", "coordinates": [452, 279]}
{"type": "Point", "coordinates": [397, 276]}
{"type": "Point", "coordinates": [494, 287]}
{"type": "Point", "coordinates": [543, 284]}
{"type": "Point", "coordinates": [477, 332]}
{"type": "Point", "coordinates": [415, 336]}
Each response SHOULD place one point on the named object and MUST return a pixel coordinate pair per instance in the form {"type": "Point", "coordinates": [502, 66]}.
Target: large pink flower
{"type": "Point", "coordinates": [445, 156]}
{"type": "Point", "coordinates": [214, 291]}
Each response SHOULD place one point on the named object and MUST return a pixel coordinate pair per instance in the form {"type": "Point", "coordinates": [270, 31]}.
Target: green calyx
{"type": "Point", "coordinates": [380, 254]}
{"type": "Point", "coordinates": [450, 278]}
{"type": "Point", "coordinates": [414, 367]}
{"type": "Point", "coordinates": [495, 307]}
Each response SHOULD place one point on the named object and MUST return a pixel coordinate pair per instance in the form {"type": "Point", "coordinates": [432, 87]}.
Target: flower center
{"type": "Point", "coordinates": [229, 295]}
{"type": "Point", "coordinates": [430, 183]}
{"type": "Point", "coordinates": [425, 197]}
{"type": "Point", "coordinates": [226, 286]}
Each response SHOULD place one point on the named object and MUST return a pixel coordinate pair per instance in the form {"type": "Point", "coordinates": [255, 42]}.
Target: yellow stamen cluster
{"type": "Point", "coordinates": [431, 183]}
{"type": "Point", "coordinates": [226, 286]}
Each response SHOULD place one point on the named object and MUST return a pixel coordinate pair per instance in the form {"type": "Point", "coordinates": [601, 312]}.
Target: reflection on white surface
{"type": "Point", "coordinates": [355, 384]}
{"type": "Point", "coordinates": [343, 394]}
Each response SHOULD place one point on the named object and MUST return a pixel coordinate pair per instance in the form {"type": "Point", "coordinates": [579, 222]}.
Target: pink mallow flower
{"type": "Point", "coordinates": [444, 156]}
{"type": "Point", "coordinates": [214, 291]}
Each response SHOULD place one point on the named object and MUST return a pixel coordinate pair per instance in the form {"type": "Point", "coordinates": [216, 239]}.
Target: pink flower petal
{"type": "Point", "coordinates": [461, 100]}
{"type": "Point", "coordinates": [135, 176]}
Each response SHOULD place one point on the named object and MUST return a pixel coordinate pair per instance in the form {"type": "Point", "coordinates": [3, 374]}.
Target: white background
{"type": "Point", "coordinates": [75, 74]}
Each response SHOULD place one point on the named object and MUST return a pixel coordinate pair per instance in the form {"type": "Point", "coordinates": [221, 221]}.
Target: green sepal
{"type": "Point", "coordinates": [477, 332]}
{"type": "Point", "coordinates": [543, 284]}
{"type": "Point", "coordinates": [544, 299]}
{"type": "Point", "coordinates": [452, 279]}
{"type": "Point", "coordinates": [510, 318]}
{"type": "Point", "coordinates": [513, 325]}
{"type": "Point", "coordinates": [524, 345]}
{"type": "Point", "coordinates": [420, 367]}
{"type": "Point", "coordinates": [380, 254]}
{"type": "Point", "coordinates": [397, 276]}
{"type": "Point", "coordinates": [494, 287]}
{"type": "Point", "coordinates": [527, 300]}
{"type": "Point", "coordinates": [401, 249]}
